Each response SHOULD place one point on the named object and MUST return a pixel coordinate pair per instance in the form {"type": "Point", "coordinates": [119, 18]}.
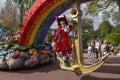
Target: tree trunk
{"type": "Point", "coordinates": [118, 2]}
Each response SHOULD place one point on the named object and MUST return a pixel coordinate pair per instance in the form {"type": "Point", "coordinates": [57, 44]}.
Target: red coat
{"type": "Point", "coordinates": [62, 39]}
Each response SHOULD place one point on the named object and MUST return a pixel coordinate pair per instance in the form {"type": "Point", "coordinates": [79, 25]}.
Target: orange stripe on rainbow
{"type": "Point", "coordinates": [32, 23]}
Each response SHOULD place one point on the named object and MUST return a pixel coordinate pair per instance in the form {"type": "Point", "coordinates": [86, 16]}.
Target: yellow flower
{"type": "Point", "coordinates": [32, 51]}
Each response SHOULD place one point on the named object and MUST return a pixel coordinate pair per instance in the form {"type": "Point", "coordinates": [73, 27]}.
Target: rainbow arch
{"type": "Point", "coordinates": [39, 19]}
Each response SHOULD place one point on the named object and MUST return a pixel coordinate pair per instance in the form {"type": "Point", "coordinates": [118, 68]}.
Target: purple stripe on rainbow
{"type": "Point", "coordinates": [43, 30]}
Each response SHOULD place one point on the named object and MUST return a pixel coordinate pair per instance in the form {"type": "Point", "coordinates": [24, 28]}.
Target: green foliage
{"type": "Point", "coordinates": [116, 17]}
{"type": "Point", "coordinates": [87, 24]}
{"type": "Point", "coordinates": [117, 28]}
{"type": "Point", "coordinates": [106, 15]}
{"type": "Point", "coordinates": [24, 6]}
{"type": "Point", "coordinates": [113, 38]}
{"type": "Point", "coordinates": [109, 8]}
{"type": "Point", "coordinates": [9, 17]}
{"type": "Point", "coordinates": [49, 36]}
{"type": "Point", "coordinates": [95, 6]}
{"type": "Point", "coordinates": [87, 28]}
{"type": "Point", "coordinates": [104, 28]}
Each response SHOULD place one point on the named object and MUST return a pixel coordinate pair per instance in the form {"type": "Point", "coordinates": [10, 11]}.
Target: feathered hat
{"type": "Point", "coordinates": [61, 17]}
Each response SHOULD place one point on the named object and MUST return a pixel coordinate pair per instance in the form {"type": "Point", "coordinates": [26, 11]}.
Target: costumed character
{"type": "Point", "coordinates": [61, 42]}
{"type": "Point", "coordinates": [16, 37]}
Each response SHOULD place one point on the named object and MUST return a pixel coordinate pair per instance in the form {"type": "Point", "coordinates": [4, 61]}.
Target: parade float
{"type": "Point", "coordinates": [27, 48]}
{"type": "Point", "coordinates": [14, 56]}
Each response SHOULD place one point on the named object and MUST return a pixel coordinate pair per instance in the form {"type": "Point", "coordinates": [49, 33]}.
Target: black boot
{"type": "Point", "coordinates": [67, 63]}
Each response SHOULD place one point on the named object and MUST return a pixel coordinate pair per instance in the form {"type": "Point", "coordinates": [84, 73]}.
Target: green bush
{"type": "Point", "coordinates": [113, 38]}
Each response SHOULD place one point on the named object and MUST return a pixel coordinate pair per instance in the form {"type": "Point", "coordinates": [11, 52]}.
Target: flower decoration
{"type": "Point", "coordinates": [34, 58]}
{"type": "Point", "coordinates": [6, 46]}
{"type": "Point", "coordinates": [44, 51]}
{"type": "Point", "coordinates": [32, 51]}
{"type": "Point", "coordinates": [16, 52]}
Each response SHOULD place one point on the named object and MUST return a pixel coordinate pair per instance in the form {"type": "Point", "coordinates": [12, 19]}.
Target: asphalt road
{"type": "Point", "coordinates": [109, 71]}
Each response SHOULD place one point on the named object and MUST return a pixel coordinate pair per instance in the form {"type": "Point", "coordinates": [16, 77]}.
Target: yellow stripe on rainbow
{"type": "Point", "coordinates": [48, 9]}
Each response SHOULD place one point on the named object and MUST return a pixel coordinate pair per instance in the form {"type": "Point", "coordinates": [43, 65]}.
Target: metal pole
{"type": "Point", "coordinates": [77, 32]}
{"type": "Point", "coordinates": [80, 31]}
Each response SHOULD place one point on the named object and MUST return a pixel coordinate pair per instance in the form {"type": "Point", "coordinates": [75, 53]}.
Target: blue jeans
{"type": "Point", "coordinates": [89, 55]}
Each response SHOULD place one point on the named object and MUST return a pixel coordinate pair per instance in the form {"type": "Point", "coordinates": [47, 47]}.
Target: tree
{"type": "Point", "coordinates": [108, 8]}
{"type": "Point", "coordinates": [116, 17]}
{"type": "Point", "coordinates": [24, 6]}
{"type": "Point", "coordinates": [87, 24]}
{"type": "Point", "coordinates": [87, 29]}
{"type": "Point", "coordinates": [100, 5]}
{"type": "Point", "coordinates": [113, 38]}
{"type": "Point", "coordinates": [9, 16]}
{"type": "Point", "coordinates": [117, 28]}
{"type": "Point", "coordinates": [104, 28]}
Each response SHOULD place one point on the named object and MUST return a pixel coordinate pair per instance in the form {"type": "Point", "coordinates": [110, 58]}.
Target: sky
{"type": "Point", "coordinates": [2, 2]}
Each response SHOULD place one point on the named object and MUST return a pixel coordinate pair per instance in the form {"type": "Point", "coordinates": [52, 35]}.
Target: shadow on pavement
{"type": "Point", "coordinates": [88, 77]}
{"type": "Point", "coordinates": [114, 60]}
{"type": "Point", "coordinates": [109, 69]}
{"type": "Point", "coordinates": [52, 66]}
